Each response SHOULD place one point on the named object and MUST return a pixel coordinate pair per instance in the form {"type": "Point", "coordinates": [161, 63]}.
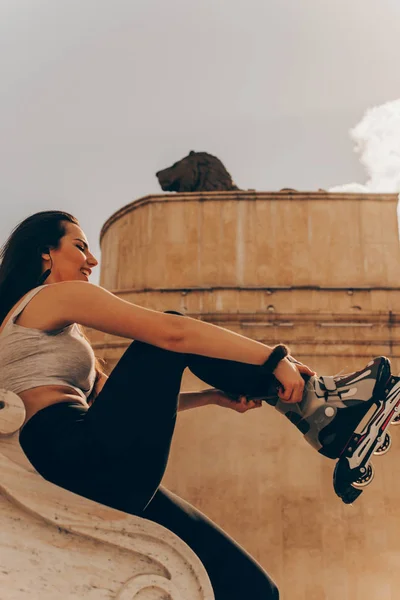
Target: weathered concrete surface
{"type": "Point", "coordinates": [57, 545]}
{"type": "Point", "coordinates": [321, 273]}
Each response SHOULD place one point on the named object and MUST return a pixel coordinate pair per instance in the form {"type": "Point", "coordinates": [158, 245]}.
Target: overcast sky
{"type": "Point", "coordinates": [97, 95]}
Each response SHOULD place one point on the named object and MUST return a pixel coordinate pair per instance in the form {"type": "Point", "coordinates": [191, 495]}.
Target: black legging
{"type": "Point", "coordinates": [116, 452]}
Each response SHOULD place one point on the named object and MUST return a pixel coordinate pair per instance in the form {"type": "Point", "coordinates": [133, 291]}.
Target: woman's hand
{"type": "Point", "coordinates": [288, 373]}
{"type": "Point", "coordinates": [241, 404]}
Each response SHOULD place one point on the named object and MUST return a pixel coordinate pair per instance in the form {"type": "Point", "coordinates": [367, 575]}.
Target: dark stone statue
{"type": "Point", "coordinates": [197, 172]}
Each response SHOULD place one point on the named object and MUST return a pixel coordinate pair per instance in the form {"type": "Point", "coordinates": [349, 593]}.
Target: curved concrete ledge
{"type": "Point", "coordinates": [85, 549]}
{"type": "Point", "coordinates": [294, 195]}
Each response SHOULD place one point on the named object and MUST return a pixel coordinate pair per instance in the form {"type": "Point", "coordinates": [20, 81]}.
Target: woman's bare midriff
{"type": "Point", "coordinates": [37, 314]}
{"type": "Point", "coordinates": [40, 397]}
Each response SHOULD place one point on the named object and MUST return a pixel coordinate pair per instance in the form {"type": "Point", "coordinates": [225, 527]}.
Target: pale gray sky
{"type": "Point", "coordinates": [97, 95]}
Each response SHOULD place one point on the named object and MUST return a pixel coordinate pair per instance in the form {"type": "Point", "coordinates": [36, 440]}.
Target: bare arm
{"type": "Point", "coordinates": [93, 306]}
{"type": "Point", "coordinates": [210, 340]}
{"type": "Point", "coordinates": [216, 397]}
{"type": "Point", "coordinates": [189, 400]}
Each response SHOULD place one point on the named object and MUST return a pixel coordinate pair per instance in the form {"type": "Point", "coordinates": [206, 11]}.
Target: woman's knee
{"type": "Point", "coordinates": [273, 591]}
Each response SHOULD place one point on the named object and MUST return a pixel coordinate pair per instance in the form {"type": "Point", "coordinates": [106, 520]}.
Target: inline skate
{"type": "Point", "coordinates": [346, 418]}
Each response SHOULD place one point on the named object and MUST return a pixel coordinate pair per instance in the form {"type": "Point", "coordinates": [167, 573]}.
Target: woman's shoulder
{"type": "Point", "coordinates": [38, 310]}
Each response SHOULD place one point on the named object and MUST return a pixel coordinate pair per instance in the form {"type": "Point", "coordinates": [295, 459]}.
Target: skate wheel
{"type": "Point", "coordinates": [396, 420]}
{"type": "Point", "coordinates": [365, 479]}
{"type": "Point", "coordinates": [383, 448]}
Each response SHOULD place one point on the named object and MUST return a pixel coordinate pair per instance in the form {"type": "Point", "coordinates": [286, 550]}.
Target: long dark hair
{"type": "Point", "coordinates": [21, 259]}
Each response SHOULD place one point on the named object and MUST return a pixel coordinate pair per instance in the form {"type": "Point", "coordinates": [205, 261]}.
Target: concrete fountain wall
{"type": "Point", "coordinates": [319, 272]}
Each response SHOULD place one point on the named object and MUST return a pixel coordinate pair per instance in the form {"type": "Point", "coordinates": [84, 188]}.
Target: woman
{"type": "Point", "coordinates": [108, 439]}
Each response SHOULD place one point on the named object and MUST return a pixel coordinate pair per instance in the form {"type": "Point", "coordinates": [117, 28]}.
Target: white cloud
{"type": "Point", "coordinates": [377, 141]}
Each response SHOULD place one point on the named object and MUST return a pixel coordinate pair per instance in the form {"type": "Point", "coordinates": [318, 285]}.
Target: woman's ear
{"type": "Point", "coordinates": [46, 253]}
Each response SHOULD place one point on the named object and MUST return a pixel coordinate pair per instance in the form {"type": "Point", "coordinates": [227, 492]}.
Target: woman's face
{"type": "Point", "coordinates": [70, 258]}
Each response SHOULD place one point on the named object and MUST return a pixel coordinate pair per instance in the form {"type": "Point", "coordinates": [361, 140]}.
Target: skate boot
{"type": "Point", "coordinates": [346, 418]}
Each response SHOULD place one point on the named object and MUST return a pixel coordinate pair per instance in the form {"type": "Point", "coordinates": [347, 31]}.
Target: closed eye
{"type": "Point", "coordinates": [81, 248]}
